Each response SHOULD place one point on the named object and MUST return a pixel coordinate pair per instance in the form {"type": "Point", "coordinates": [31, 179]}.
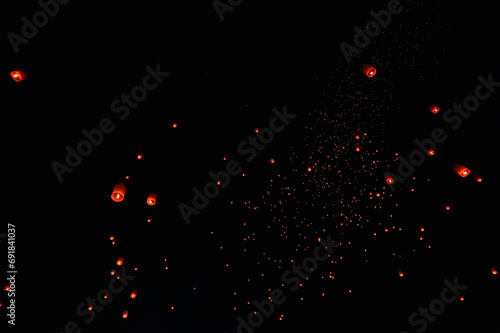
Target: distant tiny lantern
{"type": "Point", "coordinates": [119, 192]}
{"type": "Point", "coordinates": [388, 179]}
{"type": "Point", "coordinates": [256, 130]}
{"type": "Point", "coordinates": [309, 169]}
{"type": "Point", "coordinates": [434, 109]}
{"type": "Point", "coordinates": [119, 262]}
{"type": "Point", "coordinates": [431, 152]}
{"type": "Point", "coordinates": [151, 199]}
{"type": "Point", "coordinates": [461, 170]}
{"type": "Point", "coordinates": [125, 314]}
{"type": "Point", "coordinates": [174, 125]}
{"type": "Point", "coordinates": [7, 287]}
{"type": "Point", "coordinates": [357, 137]}
{"type": "Point", "coordinates": [19, 75]}
{"type": "Point", "coordinates": [494, 271]}
{"type": "Point", "coordinates": [139, 156]}
{"type": "Point", "coordinates": [369, 70]}
{"type": "Point", "coordinates": [133, 294]}
{"type": "Point", "coordinates": [358, 149]}
{"type": "Point", "coordinates": [478, 179]}
{"type": "Point", "coordinates": [447, 207]}
{"type": "Point", "coordinates": [401, 273]}
{"type": "Point", "coordinates": [271, 160]}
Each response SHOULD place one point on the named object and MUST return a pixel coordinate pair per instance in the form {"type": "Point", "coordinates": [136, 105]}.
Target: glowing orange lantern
{"type": "Point", "coordinates": [19, 75]}
{"type": "Point", "coordinates": [133, 294]}
{"type": "Point", "coordinates": [478, 179]}
{"type": "Point", "coordinates": [139, 156]}
{"type": "Point", "coordinates": [431, 152]}
{"type": "Point", "coordinates": [151, 199]}
{"type": "Point", "coordinates": [119, 192]}
{"type": "Point", "coordinates": [388, 179]}
{"type": "Point", "coordinates": [174, 125]}
{"type": "Point", "coordinates": [125, 314]}
{"type": "Point", "coordinates": [7, 287]}
{"type": "Point", "coordinates": [358, 149]}
{"type": "Point", "coordinates": [271, 160]}
{"type": "Point", "coordinates": [461, 170]}
{"type": "Point", "coordinates": [309, 169]}
{"type": "Point", "coordinates": [401, 273]}
{"type": "Point", "coordinates": [494, 271]}
{"type": "Point", "coordinates": [369, 70]}
{"type": "Point", "coordinates": [119, 262]}
{"type": "Point", "coordinates": [447, 207]}
{"type": "Point", "coordinates": [434, 109]}
{"type": "Point", "coordinates": [256, 130]}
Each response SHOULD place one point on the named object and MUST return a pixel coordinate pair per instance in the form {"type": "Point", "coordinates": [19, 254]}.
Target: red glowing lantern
{"type": "Point", "coordinates": [174, 125]}
{"type": "Point", "coordinates": [388, 179]}
{"type": "Point", "coordinates": [19, 75]}
{"type": "Point", "coordinates": [309, 169]}
{"type": "Point", "coordinates": [431, 152]}
{"type": "Point", "coordinates": [461, 170]}
{"type": "Point", "coordinates": [271, 160]}
{"type": "Point", "coordinates": [7, 287]}
{"type": "Point", "coordinates": [434, 109]}
{"type": "Point", "coordinates": [369, 70]}
{"type": "Point", "coordinates": [447, 207]}
{"type": "Point", "coordinates": [119, 262]}
{"type": "Point", "coordinates": [139, 156]}
{"type": "Point", "coordinates": [256, 130]}
{"type": "Point", "coordinates": [494, 271]}
{"type": "Point", "coordinates": [133, 294]}
{"type": "Point", "coordinates": [401, 273]}
{"type": "Point", "coordinates": [125, 314]}
{"type": "Point", "coordinates": [478, 179]}
{"type": "Point", "coordinates": [151, 199]}
{"type": "Point", "coordinates": [119, 192]}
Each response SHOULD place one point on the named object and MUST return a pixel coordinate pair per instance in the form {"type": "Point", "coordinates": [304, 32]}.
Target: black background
{"type": "Point", "coordinates": [225, 78]}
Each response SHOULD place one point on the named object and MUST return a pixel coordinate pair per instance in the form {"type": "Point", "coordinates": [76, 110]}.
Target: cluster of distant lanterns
{"type": "Point", "coordinates": [119, 194]}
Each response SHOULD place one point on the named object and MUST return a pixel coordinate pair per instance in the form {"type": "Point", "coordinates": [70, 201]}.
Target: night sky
{"type": "Point", "coordinates": [321, 177]}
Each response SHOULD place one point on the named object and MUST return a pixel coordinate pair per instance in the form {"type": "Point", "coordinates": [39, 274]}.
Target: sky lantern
{"type": "Point", "coordinates": [478, 179]}
{"type": "Point", "coordinates": [431, 152]}
{"type": "Point", "coordinates": [119, 192]}
{"type": "Point", "coordinates": [271, 160]}
{"type": "Point", "coordinates": [401, 273]}
{"type": "Point", "coordinates": [133, 294]}
{"type": "Point", "coordinates": [19, 75]}
{"type": "Point", "coordinates": [369, 70]}
{"type": "Point", "coordinates": [151, 199]}
{"type": "Point", "coordinates": [358, 149]}
{"type": "Point", "coordinates": [461, 170]}
{"type": "Point", "coordinates": [256, 131]}
{"type": "Point", "coordinates": [119, 262]}
{"type": "Point", "coordinates": [447, 207]}
{"type": "Point", "coordinates": [388, 179]}
{"type": "Point", "coordinates": [7, 287]}
{"type": "Point", "coordinates": [125, 314]}
{"type": "Point", "coordinates": [174, 125]}
{"type": "Point", "coordinates": [309, 169]}
{"type": "Point", "coordinates": [494, 271]}
{"type": "Point", "coordinates": [139, 156]}
{"type": "Point", "coordinates": [434, 109]}
{"type": "Point", "coordinates": [357, 137]}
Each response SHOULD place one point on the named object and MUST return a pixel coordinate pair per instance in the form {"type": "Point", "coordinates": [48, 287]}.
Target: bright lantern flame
{"type": "Point", "coordinates": [461, 170]}
{"type": "Point", "coordinates": [151, 199]}
{"type": "Point", "coordinates": [401, 273]}
{"type": "Point", "coordinates": [118, 192]}
{"type": "Point", "coordinates": [494, 271]}
{"type": "Point", "coordinates": [119, 262]}
{"type": "Point", "coordinates": [125, 314]}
